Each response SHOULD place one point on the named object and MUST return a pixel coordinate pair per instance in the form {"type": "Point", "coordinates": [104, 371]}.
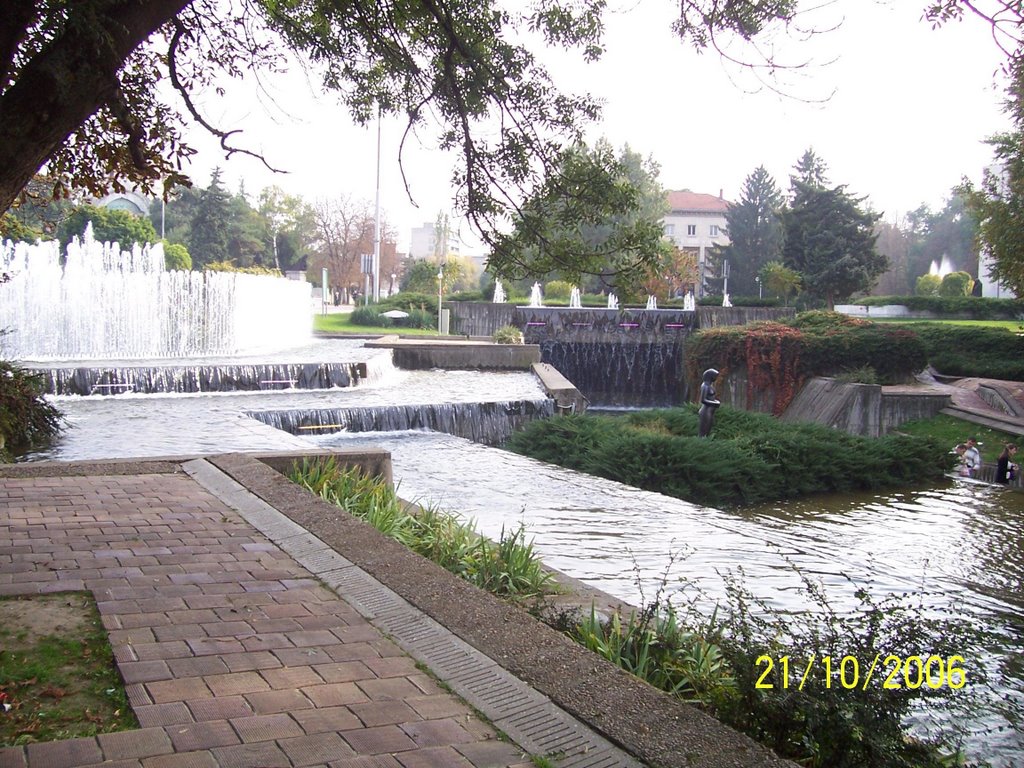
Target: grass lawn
{"type": "Point", "coordinates": [1010, 325]}
{"type": "Point", "coordinates": [951, 431]}
{"type": "Point", "coordinates": [341, 322]}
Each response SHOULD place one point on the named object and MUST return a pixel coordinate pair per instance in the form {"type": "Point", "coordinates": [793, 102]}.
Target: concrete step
{"type": "Point", "coordinates": [992, 420]}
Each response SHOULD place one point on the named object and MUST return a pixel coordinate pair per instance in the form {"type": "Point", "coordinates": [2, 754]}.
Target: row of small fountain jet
{"type": "Point", "coordinates": [575, 302]}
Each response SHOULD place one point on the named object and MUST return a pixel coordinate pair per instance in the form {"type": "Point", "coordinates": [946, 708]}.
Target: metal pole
{"type": "Point", "coordinates": [376, 222]}
{"type": "Point", "coordinates": [323, 291]}
{"type": "Point", "coordinates": [440, 284]}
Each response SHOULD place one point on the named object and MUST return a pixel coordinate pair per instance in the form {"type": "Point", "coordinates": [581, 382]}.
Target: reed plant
{"type": "Point", "coordinates": [509, 567]}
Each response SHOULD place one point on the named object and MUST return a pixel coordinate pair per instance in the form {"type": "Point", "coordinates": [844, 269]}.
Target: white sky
{"type": "Point", "coordinates": [907, 120]}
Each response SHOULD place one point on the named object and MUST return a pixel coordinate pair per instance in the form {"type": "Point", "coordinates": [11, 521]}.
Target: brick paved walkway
{"type": "Point", "coordinates": [233, 655]}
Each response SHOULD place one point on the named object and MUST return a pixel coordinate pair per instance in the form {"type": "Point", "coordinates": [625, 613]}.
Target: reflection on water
{"type": "Point", "coordinates": [962, 543]}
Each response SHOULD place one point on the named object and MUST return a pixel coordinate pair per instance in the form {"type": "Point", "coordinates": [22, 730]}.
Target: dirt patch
{"type": "Point", "coordinates": [37, 616]}
{"type": "Point", "coordinates": [58, 679]}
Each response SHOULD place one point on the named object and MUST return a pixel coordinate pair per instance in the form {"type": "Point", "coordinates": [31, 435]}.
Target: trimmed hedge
{"type": "Point", "coordinates": [954, 350]}
{"type": "Point", "coordinates": [750, 458]}
{"type": "Point", "coordinates": [975, 307]}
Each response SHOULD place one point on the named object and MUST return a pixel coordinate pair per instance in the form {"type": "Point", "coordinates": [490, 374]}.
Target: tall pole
{"type": "Point", "coordinates": [376, 222]}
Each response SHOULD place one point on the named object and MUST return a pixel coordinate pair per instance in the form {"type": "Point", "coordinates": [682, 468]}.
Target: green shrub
{"type": "Point", "coordinates": [953, 350]}
{"type": "Point", "coordinates": [928, 285]}
{"type": "Point", "coordinates": [750, 458]}
{"type": "Point", "coordinates": [508, 334]}
{"type": "Point", "coordinates": [956, 284]}
{"type": "Point", "coordinates": [370, 316]}
{"type": "Point", "coordinates": [557, 290]}
{"type": "Point", "coordinates": [27, 420]}
{"type": "Point", "coordinates": [408, 301]}
{"type": "Point", "coordinates": [974, 307]}
{"type": "Point", "coordinates": [418, 318]}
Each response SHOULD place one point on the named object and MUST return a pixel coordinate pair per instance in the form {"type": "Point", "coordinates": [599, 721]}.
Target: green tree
{"type": "Point", "coordinates": [289, 226]}
{"type": "Point", "coordinates": [829, 239]}
{"type": "Point", "coordinates": [622, 205]}
{"type": "Point", "coordinates": [464, 63]}
{"type": "Point", "coordinates": [12, 228]}
{"type": "Point", "coordinates": [208, 236]}
{"type": "Point", "coordinates": [108, 226]}
{"type": "Point", "coordinates": [998, 204]}
{"type": "Point", "coordinates": [176, 256]}
{"type": "Point", "coordinates": [779, 280]}
{"type": "Point", "coordinates": [754, 225]}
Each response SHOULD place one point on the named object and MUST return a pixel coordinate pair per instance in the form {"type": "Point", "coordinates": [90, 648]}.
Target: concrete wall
{"type": "Point", "coordinates": [489, 357]}
{"type": "Point", "coordinates": [861, 409]}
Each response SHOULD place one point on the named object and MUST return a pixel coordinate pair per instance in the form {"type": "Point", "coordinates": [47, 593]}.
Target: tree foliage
{"type": "Point", "coordinates": [598, 214]}
{"type": "Point", "coordinates": [108, 225]}
{"type": "Point", "coordinates": [829, 239]}
{"type": "Point", "coordinates": [755, 231]}
{"type": "Point", "coordinates": [457, 67]}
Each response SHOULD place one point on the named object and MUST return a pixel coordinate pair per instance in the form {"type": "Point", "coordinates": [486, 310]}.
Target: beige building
{"type": "Point", "coordinates": [696, 223]}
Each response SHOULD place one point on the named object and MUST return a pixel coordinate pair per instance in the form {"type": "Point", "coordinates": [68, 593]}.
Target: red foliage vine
{"type": "Point", "coordinates": [773, 363]}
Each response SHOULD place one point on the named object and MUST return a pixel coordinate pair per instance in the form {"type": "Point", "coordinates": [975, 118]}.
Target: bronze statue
{"type": "Point", "coordinates": [708, 403]}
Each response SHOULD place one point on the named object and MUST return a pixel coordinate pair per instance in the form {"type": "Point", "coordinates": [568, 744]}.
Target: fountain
{"type": "Point", "coordinates": [942, 267]}
{"type": "Point", "coordinates": [499, 292]}
{"type": "Point", "coordinates": [689, 303]}
{"type": "Point", "coordinates": [726, 302]}
{"type": "Point", "coordinates": [536, 296]}
{"type": "Point", "coordinates": [574, 298]}
{"type": "Point", "coordinates": [106, 303]}
{"type": "Point", "coordinates": [613, 301]}
{"type": "Point", "coordinates": [652, 302]}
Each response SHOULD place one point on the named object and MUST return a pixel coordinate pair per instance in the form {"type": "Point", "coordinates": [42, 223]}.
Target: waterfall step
{"type": "Point", "coordinates": [112, 380]}
{"type": "Point", "coordinates": [487, 423]}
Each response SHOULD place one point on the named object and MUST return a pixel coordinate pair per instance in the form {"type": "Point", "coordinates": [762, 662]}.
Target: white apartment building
{"type": "Point", "coordinates": [423, 242]}
{"type": "Point", "coordinates": [696, 223]}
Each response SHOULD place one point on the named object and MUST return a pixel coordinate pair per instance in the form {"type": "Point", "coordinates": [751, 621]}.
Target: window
{"type": "Point", "coordinates": [715, 231]}
{"type": "Point", "coordinates": [691, 229]}
{"type": "Point", "coordinates": [670, 229]}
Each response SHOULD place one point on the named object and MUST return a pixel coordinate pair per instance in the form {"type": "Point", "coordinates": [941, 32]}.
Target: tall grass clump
{"type": "Point", "coordinates": [509, 567]}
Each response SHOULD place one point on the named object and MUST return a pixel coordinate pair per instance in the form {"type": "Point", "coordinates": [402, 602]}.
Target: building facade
{"type": "Point", "coordinates": [696, 224]}
{"type": "Point", "coordinates": [423, 243]}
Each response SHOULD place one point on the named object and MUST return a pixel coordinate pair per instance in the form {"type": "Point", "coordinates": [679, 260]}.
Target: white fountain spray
{"type": "Point", "coordinates": [536, 296]}
{"type": "Point", "coordinates": [499, 292]}
{"type": "Point", "coordinates": [105, 303]}
{"type": "Point", "coordinates": [574, 298]}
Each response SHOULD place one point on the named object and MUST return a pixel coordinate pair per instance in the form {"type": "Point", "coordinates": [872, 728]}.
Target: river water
{"type": "Point", "coordinates": [963, 542]}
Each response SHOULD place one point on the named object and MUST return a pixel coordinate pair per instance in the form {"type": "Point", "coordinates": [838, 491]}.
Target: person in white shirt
{"type": "Point", "coordinates": [973, 457]}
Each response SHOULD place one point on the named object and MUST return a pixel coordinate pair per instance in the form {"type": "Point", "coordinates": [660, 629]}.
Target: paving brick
{"type": "Point", "coordinates": [241, 662]}
{"type": "Point", "coordinates": [432, 707]}
{"type": "Point", "coordinates": [12, 757]}
{"type": "Point", "coordinates": [436, 757]}
{"type": "Point", "coordinates": [186, 688]}
{"type": "Point", "coordinates": [344, 671]}
{"type": "Point", "coordinates": [263, 754]}
{"type": "Point", "coordinates": [326, 719]}
{"type": "Point", "coordinates": [205, 735]}
{"type": "Point", "coordinates": [145, 742]}
{"type": "Point", "coordinates": [379, 740]}
{"type": "Point", "coordinates": [272, 702]}
{"type": "Point", "coordinates": [367, 761]}
{"type": "Point", "coordinates": [68, 753]}
{"type": "Point", "coordinates": [389, 688]}
{"type": "Point", "coordinates": [436, 733]}
{"type": "Point", "coordinates": [493, 754]}
{"type": "Point", "coordinates": [144, 671]}
{"type": "Point", "coordinates": [267, 727]}
{"type": "Point", "coordinates": [314, 749]}
{"type": "Point", "coordinates": [197, 666]}
{"type": "Point", "coordinates": [235, 683]}
{"type": "Point", "coordinates": [384, 713]}
{"type": "Point", "coordinates": [173, 713]}
{"type": "Point", "coordinates": [188, 760]}
{"type": "Point", "coordinates": [333, 694]}
{"type": "Point", "coordinates": [392, 666]}
{"type": "Point", "coordinates": [220, 708]}
{"type": "Point", "coordinates": [291, 677]}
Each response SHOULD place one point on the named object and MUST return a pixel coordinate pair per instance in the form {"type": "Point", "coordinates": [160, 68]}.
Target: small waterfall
{"type": "Point", "coordinates": [200, 378]}
{"type": "Point", "coordinates": [487, 423]}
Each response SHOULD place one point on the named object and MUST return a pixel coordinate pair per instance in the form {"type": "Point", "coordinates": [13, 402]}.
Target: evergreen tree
{"type": "Point", "coordinates": [829, 239]}
{"type": "Point", "coordinates": [754, 226]}
{"type": "Point", "coordinates": [208, 240]}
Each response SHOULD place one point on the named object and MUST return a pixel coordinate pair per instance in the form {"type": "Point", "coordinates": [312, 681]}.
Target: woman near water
{"type": "Point", "coordinates": [1005, 469]}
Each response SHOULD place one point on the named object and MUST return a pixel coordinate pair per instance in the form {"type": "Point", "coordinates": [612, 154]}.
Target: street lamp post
{"type": "Point", "coordinates": [759, 287]}
{"type": "Point", "coordinates": [440, 287]}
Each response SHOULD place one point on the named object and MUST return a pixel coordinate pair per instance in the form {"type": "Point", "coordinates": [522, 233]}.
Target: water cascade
{"type": "Point", "coordinates": [489, 423]}
{"type": "Point", "coordinates": [574, 298]}
{"type": "Point", "coordinates": [105, 303]}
